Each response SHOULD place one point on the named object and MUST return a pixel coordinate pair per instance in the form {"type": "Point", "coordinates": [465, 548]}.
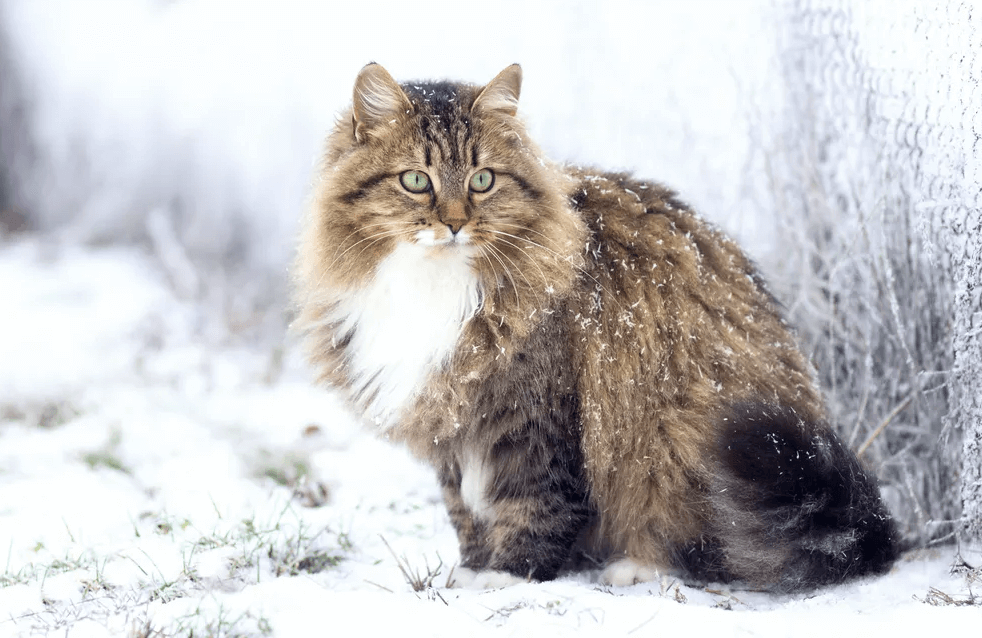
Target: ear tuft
{"type": "Point", "coordinates": [378, 100]}
{"type": "Point", "coordinates": [501, 93]}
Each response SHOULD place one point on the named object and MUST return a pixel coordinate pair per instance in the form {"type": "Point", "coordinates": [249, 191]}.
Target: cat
{"type": "Point", "coordinates": [598, 376]}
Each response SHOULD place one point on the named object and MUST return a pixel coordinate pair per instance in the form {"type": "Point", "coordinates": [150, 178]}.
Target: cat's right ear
{"type": "Point", "coordinates": [501, 93]}
{"type": "Point", "coordinates": [378, 100]}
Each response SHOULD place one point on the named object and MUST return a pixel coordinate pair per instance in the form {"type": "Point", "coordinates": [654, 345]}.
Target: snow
{"type": "Point", "coordinates": [137, 492]}
{"type": "Point", "coordinates": [152, 479]}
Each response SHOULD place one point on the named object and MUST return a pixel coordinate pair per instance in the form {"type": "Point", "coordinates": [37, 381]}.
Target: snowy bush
{"type": "Point", "coordinates": [876, 160]}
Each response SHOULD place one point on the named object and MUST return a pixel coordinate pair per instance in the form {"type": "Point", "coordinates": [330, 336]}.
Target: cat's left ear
{"type": "Point", "coordinates": [378, 100]}
{"type": "Point", "coordinates": [501, 93]}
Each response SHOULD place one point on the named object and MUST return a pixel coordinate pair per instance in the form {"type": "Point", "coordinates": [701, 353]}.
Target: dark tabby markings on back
{"type": "Point", "coordinates": [578, 199]}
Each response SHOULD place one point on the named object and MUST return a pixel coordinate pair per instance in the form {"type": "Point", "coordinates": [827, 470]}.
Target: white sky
{"type": "Point", "coordinates": [224, 104]}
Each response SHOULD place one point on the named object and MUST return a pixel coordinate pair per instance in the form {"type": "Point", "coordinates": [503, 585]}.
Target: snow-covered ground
{"type": "Point", "coordinates": [151, 484]}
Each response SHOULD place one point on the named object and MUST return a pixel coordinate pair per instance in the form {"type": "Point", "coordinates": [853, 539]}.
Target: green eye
{"type": "Point", "coordinates": [482, 181]}
{"type": "Point", "coordinates": [415, 181]}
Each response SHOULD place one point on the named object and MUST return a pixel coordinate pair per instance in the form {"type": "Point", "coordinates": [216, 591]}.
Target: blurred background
{"type": "Point", "coordinates": [838, 141]}
{"type": "Point", "coordinates": [199, 121]}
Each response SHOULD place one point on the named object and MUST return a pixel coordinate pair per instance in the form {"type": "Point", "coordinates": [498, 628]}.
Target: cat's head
{"type": "Point", "coordinates": [443, 165]}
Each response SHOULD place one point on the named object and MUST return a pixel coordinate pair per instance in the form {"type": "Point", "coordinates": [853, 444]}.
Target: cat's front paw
{"type": "Point", "coordinates": [626, 572]}
{"type": "Point", "coordinates": [466, 578]}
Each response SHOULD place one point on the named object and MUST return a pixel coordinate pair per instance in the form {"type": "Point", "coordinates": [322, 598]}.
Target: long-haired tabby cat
{"type": "Point", "coordinates": [592, 370]}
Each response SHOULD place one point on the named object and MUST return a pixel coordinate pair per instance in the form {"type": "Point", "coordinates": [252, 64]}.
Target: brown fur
{"type": "Point", "coordinates": [615, 331]}
{"type": "Point", "coordinates": [685, 325]}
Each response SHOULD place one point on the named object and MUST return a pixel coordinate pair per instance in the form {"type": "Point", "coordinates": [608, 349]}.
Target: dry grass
{"type": "Point", "coordinates": [866, 285]}
{"type": "Point", "coordinates": [418, 580]}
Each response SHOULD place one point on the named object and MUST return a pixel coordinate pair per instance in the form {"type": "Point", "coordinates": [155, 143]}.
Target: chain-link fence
{"type": "Point", "coordinates": [879, 175]}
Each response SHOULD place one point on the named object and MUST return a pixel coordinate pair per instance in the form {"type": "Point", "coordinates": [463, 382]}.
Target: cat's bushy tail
{"type": "Point", "coordinates": [793, 508]}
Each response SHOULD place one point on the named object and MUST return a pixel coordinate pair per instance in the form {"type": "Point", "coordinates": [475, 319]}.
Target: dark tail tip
{"type": "Point", "coordinates": [793, 508]}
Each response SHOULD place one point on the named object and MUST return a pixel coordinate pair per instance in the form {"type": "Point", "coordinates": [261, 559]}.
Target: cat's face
{"type": "Point", "coordinates": [441, 165]}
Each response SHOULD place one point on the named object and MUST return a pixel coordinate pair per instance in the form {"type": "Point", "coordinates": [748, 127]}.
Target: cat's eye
{"type": "Point", "coordinates": [482, 181]}
{"type": "Point", "coordinates": [415, 181]}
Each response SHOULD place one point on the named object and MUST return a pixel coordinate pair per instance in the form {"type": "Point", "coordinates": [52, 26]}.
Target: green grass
{"type": "Point", "coordinates": [107, 459]}
{"type": "Point", "coordinates": [107, 456]}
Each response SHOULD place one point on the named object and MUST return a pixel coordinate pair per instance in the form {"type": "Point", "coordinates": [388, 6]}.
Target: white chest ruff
{"type": "Point", "coordinates": [406, 322]}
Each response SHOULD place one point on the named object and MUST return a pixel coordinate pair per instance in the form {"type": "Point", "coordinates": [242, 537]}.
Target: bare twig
{"type": "Point", "coordinates": [882, 426]}
{"type": "Point", "coordinates": [379, 586]}
{"type": "Point", "coordinates": [939, 598]}
{"type": "Point", "coordinates": [655, 615]}
{"type": "Point", "coordinates": [727, 595]}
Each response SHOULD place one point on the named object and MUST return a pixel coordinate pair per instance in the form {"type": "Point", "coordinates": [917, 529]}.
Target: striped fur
{"type": "Point", "coordinates": [607, 377]}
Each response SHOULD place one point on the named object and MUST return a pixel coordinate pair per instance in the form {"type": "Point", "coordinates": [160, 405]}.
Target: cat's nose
{"type": "Point", "coordinates": [454, 215]}
{"type": "Point", "coordinates": [456, 226]}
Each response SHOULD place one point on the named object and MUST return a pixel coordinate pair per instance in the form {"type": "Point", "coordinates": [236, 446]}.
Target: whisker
{"type": "Point", "coordinates": [377, 237]}
{"type": "Point", "coordinates": [545, 279]}
{"type": "Point", "coordinates": [394, 233]}
{"type": "Point", "coordinates": [523, 227]}
{"type": "Point", "coordinates": [490, 265]}
{"type": "Point", "coordinates": [526, 239]}
{"type": "Point", "coordinates": [335, 257]}
{"type": "Point", "coordinates": [559, 256]}
{"type": "Point", "coordinates": [494, 253]}
{"type": "Point", "coordinates": [538, 300]}
{"type": "Point", "coordinates": [361, 228]}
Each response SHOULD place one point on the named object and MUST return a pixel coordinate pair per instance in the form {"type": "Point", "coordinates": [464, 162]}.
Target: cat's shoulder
{"type": "Point", "coordinates": [633, 217]}
{"type": "Point", "coordinates": [621, 192]}
{"type": "Point", "coordinates": [596, 193]}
